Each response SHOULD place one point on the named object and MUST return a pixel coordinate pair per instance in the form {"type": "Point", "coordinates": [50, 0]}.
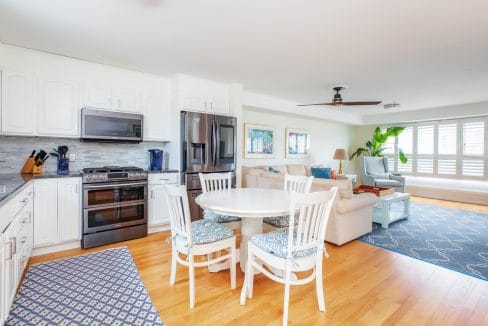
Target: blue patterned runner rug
{"type": "Point", "coordinates": [448, 237]}
{"type": "Point", "coordinates": [103, 288]}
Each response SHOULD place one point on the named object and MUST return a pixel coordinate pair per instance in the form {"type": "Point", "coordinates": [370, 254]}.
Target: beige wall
{"type": "Point", "coordinates": [361, 135]}
{"type": "Point", "coordinates": [326, 136]}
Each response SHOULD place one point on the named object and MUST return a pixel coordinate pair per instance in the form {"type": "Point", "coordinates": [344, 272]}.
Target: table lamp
{"type": "Point", "coordinates": [340, 154]}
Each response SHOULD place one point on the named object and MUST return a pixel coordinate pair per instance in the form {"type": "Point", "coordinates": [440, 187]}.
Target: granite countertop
{"type": "Point", "coordinates": [11, 182]}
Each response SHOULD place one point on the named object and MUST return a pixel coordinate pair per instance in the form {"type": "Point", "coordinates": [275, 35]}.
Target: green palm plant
{"type": "Point", "coordinates": [376, 145]}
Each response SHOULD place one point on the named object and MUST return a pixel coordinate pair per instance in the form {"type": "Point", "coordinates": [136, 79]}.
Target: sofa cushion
{"type": "Point", "coordinates": [344, 186]}
{"type": "Point", "coordinates": [387, 182]}
{"type": "Point", "coordinates": [321, 173]}
{"type": "Point", "coordinates": [296, 169]}
{"type": "Point", "coordinates": [254, 170]}
{"type": "Point", "coordinates": [356, 202]}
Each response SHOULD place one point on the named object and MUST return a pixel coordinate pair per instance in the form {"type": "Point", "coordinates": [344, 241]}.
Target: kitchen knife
{"type": "Point", "coordinates": [32, 154]}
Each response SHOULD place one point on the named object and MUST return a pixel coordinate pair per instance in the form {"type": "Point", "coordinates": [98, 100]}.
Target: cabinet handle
{"type": "Point", "coordinates": [10, 254]}
{"type": "Point", "coordinates": [14, 245]}
{"type": "Point", "coordinates": [24, 240]}
{"type": "Point", "coordinates": [152, 192]}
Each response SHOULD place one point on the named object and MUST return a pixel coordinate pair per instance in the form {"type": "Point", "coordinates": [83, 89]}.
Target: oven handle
{"type": "Point", "coordinates": [115, 205]}
{"type": "Point", "coordinates": [118, 185]}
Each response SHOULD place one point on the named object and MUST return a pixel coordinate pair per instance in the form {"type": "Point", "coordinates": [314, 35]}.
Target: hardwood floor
{"type": "Point", "coordinates": [364, 285]}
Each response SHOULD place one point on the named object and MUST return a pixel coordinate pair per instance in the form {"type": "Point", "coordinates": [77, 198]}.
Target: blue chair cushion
{"type": "Point", "coordinates": [322, 173]}
{"type": "Point", "coordinates": [219, 218]}
{"type": "Point", "coordinates": [279, 221]}
{"type": "Point", "coordinates": [205, 231]}
{"type": "Point", "coordinates": [276, 243]}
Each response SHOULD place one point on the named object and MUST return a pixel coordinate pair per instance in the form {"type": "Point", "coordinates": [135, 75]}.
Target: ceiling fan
{"type": "Point", "coordinates": [337, 101]}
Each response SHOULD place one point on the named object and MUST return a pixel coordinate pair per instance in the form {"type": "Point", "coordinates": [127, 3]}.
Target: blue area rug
{"type": "Point", "coordinates": [103, 288]}
{"type": "Point", "coordinates": [448, 237]}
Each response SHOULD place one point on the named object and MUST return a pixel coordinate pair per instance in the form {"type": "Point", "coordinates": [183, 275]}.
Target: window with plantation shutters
{"type": "Point", "coordinates": [448, 148]}
{"type": "Point", "coordinates": [425, 149]}
{"type": "Point", "coordinates": [473, 162]}
{"type": "Point", "coordinates": [405, 142]}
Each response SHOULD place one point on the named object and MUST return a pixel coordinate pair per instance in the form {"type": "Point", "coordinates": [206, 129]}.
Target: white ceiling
{"type": "Point", "coordinates": [418, 53]}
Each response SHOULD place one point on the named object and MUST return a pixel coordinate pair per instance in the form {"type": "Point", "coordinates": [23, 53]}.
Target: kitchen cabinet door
{"type": "Point", "coordinates": [10, 264]}
{"type": "Point", "coordinates": [98, 94]}
{"type": "Point", "coordinates": [69, 209]}
{"type": "Point", "coordinates": [2, 278]}
{"type": "Point", "coordinates": [218, 98]}
{"type": "Point", "coordinates": [18, 104]}
{"type": "Point", "coordinates": [58, 108]}
{"type": "Point", "coordinates": [157, 117]}
{"type": "Point", "coordinates": [45, 212]}
{"type": "Point", "coordinates": [158, 209]}
{"type": "Point", "coordinates": [128, 100]}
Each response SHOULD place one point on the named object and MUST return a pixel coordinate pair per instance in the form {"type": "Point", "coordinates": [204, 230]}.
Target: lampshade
{"type": "Point", "coordinates": [340, 154]}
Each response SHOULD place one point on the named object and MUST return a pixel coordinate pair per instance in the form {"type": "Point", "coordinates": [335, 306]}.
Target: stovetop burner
{"type": "Point", "coordinates": [113, 173]}
{"type": "Point", "coordinates": [112, 168]}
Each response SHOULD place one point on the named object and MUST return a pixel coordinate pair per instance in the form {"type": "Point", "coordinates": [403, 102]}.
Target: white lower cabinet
{"type": "Point", "coordinates": [157, 208]}
{"type": "Point", "coordinates": [16, 246]}
{"type": "Point", "coordinates": [57, 211]}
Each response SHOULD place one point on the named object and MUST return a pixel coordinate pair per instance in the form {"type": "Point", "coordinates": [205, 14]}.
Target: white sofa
{"type": "Point", "coordinates": [352, 214]}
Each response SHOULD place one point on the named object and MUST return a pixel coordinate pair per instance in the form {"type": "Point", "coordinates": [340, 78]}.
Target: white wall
{"type": "Point", "coordinates": [326, 136]}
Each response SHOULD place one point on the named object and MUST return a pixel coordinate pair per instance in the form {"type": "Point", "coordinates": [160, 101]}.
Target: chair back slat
{"type": "Point", "coordinates": [215, 181]}
{"type": "Point", "coordinates": [298, 183]}
{"type": "Point", "coordinates": [179, 210]}
{"type": "Point", "coordinates": [312, 212]}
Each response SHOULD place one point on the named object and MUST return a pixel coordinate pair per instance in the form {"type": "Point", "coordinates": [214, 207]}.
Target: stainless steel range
{"type": "Point", "coordinates": [114, 205]}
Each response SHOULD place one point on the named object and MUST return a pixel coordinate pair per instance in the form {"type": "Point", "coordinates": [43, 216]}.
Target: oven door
{"type": "Point", "coordinates": [109, 217]}
{"type": "Point", "coordinates": [95, 195]}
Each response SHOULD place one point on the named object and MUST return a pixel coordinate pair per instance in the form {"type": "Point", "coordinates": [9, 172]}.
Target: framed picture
{"type": "Point", "coordinates": [259, 141]}
{"type": "Point", "coordinates": [297, 143]}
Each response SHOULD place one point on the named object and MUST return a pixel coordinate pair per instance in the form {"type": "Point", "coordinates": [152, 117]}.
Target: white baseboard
{"type": "Point", "coordinates": [77, 244]}
{"type": "Point", "coordinates": [448, 194]}
{"type": "Point", "coordinates": [159, 228]}
{"type": "Point", "coordinates": [58, 247]}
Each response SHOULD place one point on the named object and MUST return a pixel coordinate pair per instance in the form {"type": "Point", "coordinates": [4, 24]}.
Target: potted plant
{"type": "Point", "coordinates": [376, 145]}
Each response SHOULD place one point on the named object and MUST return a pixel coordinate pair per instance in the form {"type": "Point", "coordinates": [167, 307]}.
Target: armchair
{"type": "Point", "coordinates": [374, 172]}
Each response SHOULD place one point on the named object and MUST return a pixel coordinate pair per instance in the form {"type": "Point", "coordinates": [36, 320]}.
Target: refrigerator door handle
{"type": "Point", "coordinates": [214, 142]}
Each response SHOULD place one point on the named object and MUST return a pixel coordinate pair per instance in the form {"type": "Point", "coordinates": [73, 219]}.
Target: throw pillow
{"type": "Point", "coordinates": [333, 174]}
{"type": "Point", "coordinates": [323, 173]}
{"type": "Point", "coordinates": [271, 169]}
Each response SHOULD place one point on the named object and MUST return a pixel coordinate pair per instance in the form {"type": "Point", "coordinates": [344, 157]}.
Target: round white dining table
{"type": "Point", "coordinates": [251, 205]}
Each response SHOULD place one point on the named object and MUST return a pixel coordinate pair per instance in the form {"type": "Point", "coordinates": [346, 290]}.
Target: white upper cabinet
{"type": "Point", "coordinates": [156, 108]}
{"type": "Point", "coordinates": [98, 94]}
{"type": "Point", "coordinates": [18, 103]}
{"type": "Point", "coordinates": [58, 108]}
{"type": "Point", "coordinates": [198, 94]}
{"type": "Point", "coordinates": [113, 89]}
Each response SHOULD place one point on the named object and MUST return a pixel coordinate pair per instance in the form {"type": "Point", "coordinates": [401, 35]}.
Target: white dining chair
{"type": "Point", "coordinates": [298, 250]}
{"type": "Point", "coordinates": [218, 182]}
{"type": "Point", "coordinates": [202, 237]}
{"type": "Point", "coordinates": [296, 183]}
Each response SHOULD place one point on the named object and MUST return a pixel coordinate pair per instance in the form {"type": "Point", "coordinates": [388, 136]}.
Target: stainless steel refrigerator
{"type": "Point", "coordinates": [208, 145]}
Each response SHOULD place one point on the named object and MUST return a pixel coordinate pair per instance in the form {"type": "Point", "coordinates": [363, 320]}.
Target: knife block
{"type": "Point", "coordinates": [28, 166]}
{"type": "Point", "coordinates": [37, 169]}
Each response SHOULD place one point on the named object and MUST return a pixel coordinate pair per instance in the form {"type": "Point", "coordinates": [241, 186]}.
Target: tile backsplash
{"type": "Point", "coordinates": [88, 154]}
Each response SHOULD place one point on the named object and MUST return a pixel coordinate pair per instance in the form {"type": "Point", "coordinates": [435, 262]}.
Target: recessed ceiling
{"type": "Point", "coordinates": [418, 53]}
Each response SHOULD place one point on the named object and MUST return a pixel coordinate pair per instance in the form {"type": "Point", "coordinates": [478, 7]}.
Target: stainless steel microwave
{"type": "Point", "coordinates": [111, 126]}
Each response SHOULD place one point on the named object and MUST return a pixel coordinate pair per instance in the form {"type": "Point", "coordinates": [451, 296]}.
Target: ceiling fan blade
{"type": "Point", "coordinates": [316, 104]}
{"type": "Point", "coordinates": [362, 103]}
